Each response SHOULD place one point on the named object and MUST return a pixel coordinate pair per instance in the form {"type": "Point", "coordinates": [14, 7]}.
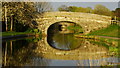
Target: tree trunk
{"type": "Point", "coordinates": [11, 27]}
{"type": "Point", "coordinates": [6, 18]}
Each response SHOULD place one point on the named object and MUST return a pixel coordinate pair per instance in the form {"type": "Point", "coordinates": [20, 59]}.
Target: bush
{"type": "Point", "coordinates": [30, 30]}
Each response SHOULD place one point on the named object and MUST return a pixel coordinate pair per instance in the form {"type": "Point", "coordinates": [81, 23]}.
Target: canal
{"type": "Point", "coordinates": [59, 48]}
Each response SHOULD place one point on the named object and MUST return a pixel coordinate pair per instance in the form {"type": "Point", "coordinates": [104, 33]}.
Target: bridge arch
{"type": "Point", "coordinates": [66, 23]}
{"type": "Point", "coordinates": [56, 30]}
{"type": "Point", "coordinates": [64, 20]}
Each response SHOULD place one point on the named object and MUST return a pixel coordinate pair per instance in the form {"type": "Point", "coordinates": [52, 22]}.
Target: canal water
{"type": "Point", "coordinates": [59, 48]}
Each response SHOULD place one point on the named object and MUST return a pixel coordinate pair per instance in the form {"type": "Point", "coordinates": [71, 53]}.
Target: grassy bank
{"type": "Point", "coordinates": [111, 31]}
{"type": "Point", "coordinates": [13, 33]}
{"type": "Point", "coordinates": [9, 33]}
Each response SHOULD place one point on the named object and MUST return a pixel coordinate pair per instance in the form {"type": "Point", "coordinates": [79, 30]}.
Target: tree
{"type": "Point", "coordinates": [117, 12]}
{"type": "Point", "coordinates": [73, 8]}
{"type": "Point", "coordinates": [89, 10]}
{"type": "Point", "coordinates": [63, 8]}
{"type": "Point", "coordinates": [102, 10]}
{"type": "Point", "coordinates": [19, 11]}
{"type": "Point", "coordinates": [43, 6]}
{"type": "Point", "coordinates": [80, 9]}
{"type": "Point", "coordinates": [22, 12]}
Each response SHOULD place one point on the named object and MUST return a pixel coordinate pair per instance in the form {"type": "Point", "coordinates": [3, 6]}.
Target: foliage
{"type": "Point", "coordinates": [99, 9]}
{"type": "Point", "coordinates": [34, 31]}
{"type": "Point", "coordinates": [20, 27]}
{"type": "Point", "coordinates": [102, 10]}
{"type": "Point", "coordinates": [63, 8]}
{"type": "Point", "coordinates": [75, 9]}
{"type": "Point", "coordinates": [23, 13]}
{"type": "Point", "coordinates": [80, 9]}
{"type": "Point", "coordinates": [113, 49]}
{"type": "Point", "coordinates": [117, 12]}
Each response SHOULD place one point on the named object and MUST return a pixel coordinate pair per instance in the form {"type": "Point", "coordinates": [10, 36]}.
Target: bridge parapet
{"type": "Point", "coordinates": [76, 15]}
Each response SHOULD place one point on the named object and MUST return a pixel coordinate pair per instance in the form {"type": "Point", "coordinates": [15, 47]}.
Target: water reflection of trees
{"type": "Point", "coordinates": [66, 41]}
{"type": "Point", "coordinates": [20, 53]}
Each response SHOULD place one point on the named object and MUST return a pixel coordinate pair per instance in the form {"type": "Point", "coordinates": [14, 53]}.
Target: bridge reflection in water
{"type": "Point", "coordinates": [29, 53]}
{"type": "Point", "coordinates": [87, 54]}
{"type": "Point", "coordinates": [59, 48]}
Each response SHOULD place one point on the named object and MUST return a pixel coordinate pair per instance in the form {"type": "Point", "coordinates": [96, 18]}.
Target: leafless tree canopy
{"type": "Point", "coordinates": [43, 6]}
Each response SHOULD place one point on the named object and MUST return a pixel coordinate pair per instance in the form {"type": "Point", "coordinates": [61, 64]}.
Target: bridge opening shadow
{"type": "Point", "coordinates": [60, 35]}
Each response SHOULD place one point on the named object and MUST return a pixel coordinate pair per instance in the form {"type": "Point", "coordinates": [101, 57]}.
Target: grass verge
{"type": "Point", "coordinates": [111, 31]}
{"type": "Point", "coordinates": [13, 33]}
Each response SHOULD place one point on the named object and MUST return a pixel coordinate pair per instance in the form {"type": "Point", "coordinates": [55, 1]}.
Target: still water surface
{"type": "Point", "coordinates": [22, 53]}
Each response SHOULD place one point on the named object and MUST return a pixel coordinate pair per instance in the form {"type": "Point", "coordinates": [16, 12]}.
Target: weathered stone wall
{"type": "Point", "coordinates": [89, 22]}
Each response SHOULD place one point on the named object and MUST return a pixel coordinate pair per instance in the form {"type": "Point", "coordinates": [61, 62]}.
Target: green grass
{"type": "Point", "coordinates": [111, 31]}
{"type": "Point", "coordinates": [13, 33]}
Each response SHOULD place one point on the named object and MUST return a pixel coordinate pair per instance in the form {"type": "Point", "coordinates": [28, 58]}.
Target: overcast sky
{"type": "Point", "coordinates": [78, 0]}
{"type": "Point", "coordinates": [110, 5]}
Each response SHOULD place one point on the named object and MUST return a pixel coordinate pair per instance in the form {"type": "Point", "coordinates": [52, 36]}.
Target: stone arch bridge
{"type": "Point", "coordinates": [89, 22]}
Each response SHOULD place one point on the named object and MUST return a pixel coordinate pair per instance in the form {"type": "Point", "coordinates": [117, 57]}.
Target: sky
{"type": "Point", "coordinates": [109, 5]}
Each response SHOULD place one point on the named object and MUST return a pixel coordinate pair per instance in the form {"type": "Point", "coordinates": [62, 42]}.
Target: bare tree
{"type": "Point", "coordinates": [43, 6]}
{"type": "Point", "coordinates": [63, 8]}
